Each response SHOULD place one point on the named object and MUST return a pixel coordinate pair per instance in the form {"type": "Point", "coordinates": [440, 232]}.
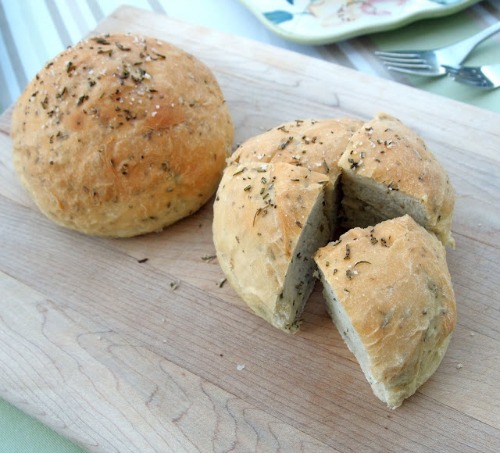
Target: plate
{"type": "Point", "coordinates": [327, 21]}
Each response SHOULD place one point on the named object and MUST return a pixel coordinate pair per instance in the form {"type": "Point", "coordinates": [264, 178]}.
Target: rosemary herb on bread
{"type": "Point", "coordinates": [316, 144]}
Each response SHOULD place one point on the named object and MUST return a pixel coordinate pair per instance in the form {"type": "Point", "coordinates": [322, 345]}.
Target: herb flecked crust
{"type": "Point", "coordinates": [121, 135]}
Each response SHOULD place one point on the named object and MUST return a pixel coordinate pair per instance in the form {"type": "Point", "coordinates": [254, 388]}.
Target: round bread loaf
{"type": "Point", "coordinates": [121, 135]}
{"type": "Point", "coordinates": [389, 292]}
{"type": "Point", "coordinates": [387, 287]}
{"type": "Point", "coordinates": [386, 171]}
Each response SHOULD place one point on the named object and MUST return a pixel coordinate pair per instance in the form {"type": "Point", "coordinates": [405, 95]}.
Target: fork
{"type": "Point", "coordinates": [430, 62]}
{"type": "Point", "coordinates": [487, 76]}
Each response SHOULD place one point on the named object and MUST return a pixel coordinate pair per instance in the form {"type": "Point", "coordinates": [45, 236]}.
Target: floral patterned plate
{"type": "Point", "coordinates": [328, 21]}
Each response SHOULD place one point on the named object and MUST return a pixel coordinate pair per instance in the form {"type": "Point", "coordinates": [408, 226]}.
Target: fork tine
{"type": "Point", "coordinates": [422, 71]}
{"type": "Point", "coordinates": [421, 66]}
{"type": "Point", "coordinates": [472, 76]}
{"type": "Point", "coordinates": [420, 63]}
{"type": "Point", "coordinates": [472, 70]}
{"type": "Point", "coordinates": [468, 76]}
{"type": "Point", "coordinates": [486, 76]}
{"type": "Point", "coordinates": [464, 75]}
{"type": "Point", "coordinates": [402, 60]}
{"type": "Point", "coordinates": [399, 54]}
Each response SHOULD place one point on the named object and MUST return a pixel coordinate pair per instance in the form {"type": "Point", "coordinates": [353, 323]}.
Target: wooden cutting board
{"type": "Point", "coordinates": [136, 345]}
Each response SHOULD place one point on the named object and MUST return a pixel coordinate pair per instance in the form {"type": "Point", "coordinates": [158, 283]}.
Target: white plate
{"type": "Point", "coordinates": [328, 21]}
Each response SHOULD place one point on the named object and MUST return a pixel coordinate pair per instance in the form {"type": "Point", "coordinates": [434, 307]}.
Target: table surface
{"type": "Point", "coordinates": [22, 433]}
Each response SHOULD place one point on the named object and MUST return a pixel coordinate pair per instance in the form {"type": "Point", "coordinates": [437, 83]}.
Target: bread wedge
{"type": "Point", "coordinates": [388, 171]}
{"type": "Point", "coordinates": [269, 220]}
{"type": "Point", "coordinates": [389, 292]}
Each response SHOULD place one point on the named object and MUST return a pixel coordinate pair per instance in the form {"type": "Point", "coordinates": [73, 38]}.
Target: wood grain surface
{"type": "Point", "coordinates": [137, 345]}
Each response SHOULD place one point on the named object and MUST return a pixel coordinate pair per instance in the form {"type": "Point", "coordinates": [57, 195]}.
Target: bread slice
{"type": "Point", "coordinates": [387, 172]}
{"type": "Point", "coordinates": [269, 220]}
{"type": "Point", "coordinates": [389, 292]}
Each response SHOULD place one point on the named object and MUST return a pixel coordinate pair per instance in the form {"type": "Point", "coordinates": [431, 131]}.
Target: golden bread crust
{"type": "Point", "coordinates": [314, 144]}
{"type": "Point", "coordinates": [121, 135]}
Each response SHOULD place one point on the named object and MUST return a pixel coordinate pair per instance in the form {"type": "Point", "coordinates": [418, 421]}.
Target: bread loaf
{"type": "Point", "coordinates": [121, 135]}
{"type": "Point", "coordinates": [389, 292]}
{"type": "Point", "coordinates": [386, 171]}
{"type": "Point", "coordinates": [387, 287]}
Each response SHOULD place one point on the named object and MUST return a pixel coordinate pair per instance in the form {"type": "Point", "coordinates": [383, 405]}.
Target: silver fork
{"type": "Point", "coordinates": [430, 62]}
{"type": "Point", "coordinates": [487, 76]}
